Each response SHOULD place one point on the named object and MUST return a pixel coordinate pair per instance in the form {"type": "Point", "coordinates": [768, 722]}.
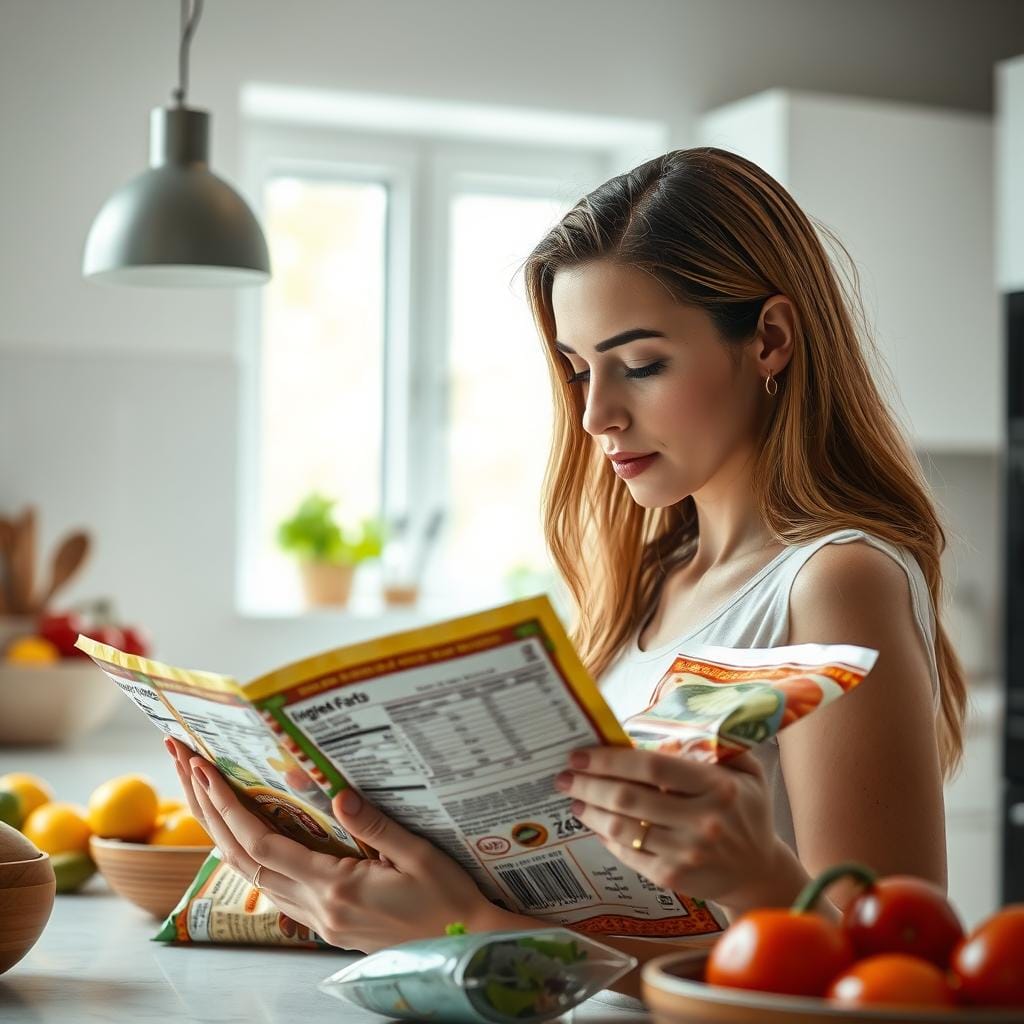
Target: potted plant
{"type": "Point", "coordinates": [328, 553]}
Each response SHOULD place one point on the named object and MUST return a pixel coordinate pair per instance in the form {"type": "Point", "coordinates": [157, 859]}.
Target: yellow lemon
{"type": "Point", "coordinates": [32, 650]}
{"type": "Point", "coordinates": [166, 804]}
{"type": "Point", "coordinates": [58, 828]}
{"type": "Point", "coordinates": [124, 808]}
{"type": "Point", "coordinates": [31, 791]}
{"type": "Point", "coordinates": [180, 828]}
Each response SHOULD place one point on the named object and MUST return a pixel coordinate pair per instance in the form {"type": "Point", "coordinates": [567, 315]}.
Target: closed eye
{"type": "Point", "coordinates": [633, 373]}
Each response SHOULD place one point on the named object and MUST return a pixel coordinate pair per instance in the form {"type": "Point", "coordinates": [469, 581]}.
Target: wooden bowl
{"type": "Point", "coordinates": [675, 994]}
{"type": "Point", "coordinates": [51, 704]}
{"type": "Point", "coordinates": [27, 890]}
{"type": "Point", "coordinates": [151, 877]}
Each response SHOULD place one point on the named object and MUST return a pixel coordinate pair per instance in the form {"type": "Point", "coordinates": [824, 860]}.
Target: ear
{"type": "Point", "coordinates": [773, 340]}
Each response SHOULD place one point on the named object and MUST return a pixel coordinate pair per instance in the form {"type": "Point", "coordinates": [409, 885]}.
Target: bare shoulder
{"type": "Point", "coordinates": [847, 590]}
{"type": "Point", "coordinates": [840, 764]}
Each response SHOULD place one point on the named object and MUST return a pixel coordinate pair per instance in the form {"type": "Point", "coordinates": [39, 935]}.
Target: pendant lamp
{"type": "Point", "coordinates": [177, 224]}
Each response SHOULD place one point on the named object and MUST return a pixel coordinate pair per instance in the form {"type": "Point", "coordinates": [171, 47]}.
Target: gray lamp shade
{"type": "Point", "coordinates": [177, 224]}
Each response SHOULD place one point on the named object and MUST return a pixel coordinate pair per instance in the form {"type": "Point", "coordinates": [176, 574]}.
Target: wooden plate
{"type": "Point", "coordinates": [675, 994]}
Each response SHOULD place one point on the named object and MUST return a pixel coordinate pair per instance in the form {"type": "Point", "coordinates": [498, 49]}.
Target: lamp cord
{"type": "Point", "coordinates": [189, 21]}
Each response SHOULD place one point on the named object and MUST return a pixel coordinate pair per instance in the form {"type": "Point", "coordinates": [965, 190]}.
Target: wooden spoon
{"type": "Point", "coordinates": [6, 532]}
{"type": "Point", "coordinates": [71, 553]}
{"type": "Point", "coordinates": [22, 562]}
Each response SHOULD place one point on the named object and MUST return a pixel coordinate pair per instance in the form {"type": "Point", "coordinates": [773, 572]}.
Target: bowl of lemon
{"type": "Point", "coordinates": [147, 847]}
{"type": "Point", "coordinates": [45, 699]}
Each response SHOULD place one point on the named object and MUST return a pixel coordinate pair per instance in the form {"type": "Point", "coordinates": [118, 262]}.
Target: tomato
{"type": "Point", "coordinates": [989, 963]}
{"type": "Point", "coordinates": [893, 979]}
{"type": "Point", "coordinates": [62, 631]}
{"type": "Point", "coordinates": [136, 641]}
{"type": "Point", "coordinates": [777, 950]}
{"type": "Point", "coordinates": [902, 914]}
{"type": "Point", "coordinates": [105, 634]}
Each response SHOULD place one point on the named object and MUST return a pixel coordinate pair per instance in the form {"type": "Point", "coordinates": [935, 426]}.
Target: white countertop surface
{"type": "Point", "coordinates": [96, 961]}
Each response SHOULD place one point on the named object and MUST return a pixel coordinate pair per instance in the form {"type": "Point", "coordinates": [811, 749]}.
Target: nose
{"type": "Point", "coordinates": [602, 412]}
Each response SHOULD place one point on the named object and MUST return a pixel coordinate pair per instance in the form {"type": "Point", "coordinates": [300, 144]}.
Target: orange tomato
{"type": "Point", "coordinates": [989, 963]}
{"type": "Point", "coordinates": [778, 950]}
{"type": "Point", "coordinates": [892, 979]}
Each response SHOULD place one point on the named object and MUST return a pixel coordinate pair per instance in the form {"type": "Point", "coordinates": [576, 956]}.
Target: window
{"type": "Point", "coordinates": [392, 362]}
{"type": "Point", "coordinates": [322, 346]}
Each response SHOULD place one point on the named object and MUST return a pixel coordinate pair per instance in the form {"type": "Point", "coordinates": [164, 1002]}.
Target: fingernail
{"type": "Point", "coordinates": [579, 759]}
{"type": "Point", "coordinates": [201, 775]}
{"type": "Point", "coordinates": [577, 806]}
{"type": "Point", "coordinates": [563, 781]}
{"type": "Point", "coordinates": [351, 801]}
{"type": "Point", "coordinates": [169, 744]}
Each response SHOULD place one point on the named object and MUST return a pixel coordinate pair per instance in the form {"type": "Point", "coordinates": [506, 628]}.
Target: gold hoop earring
{"type": "Point", "coordinates": [771, 385]}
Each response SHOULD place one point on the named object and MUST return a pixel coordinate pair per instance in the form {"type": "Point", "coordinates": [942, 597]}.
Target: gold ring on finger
{"type": "Point", "coordinates": [638, 842]}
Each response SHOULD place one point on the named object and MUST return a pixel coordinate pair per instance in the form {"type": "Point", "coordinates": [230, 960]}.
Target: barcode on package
{"type": "Point", "coordinates": [547, 883]}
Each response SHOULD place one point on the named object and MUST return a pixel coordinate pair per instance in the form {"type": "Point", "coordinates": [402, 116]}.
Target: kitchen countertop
{"type": "Point", "coordinates": [95, 960]}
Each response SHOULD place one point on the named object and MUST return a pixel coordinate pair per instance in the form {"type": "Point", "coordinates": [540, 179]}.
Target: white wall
{"type": "Point", "coordinates": [153, 472]}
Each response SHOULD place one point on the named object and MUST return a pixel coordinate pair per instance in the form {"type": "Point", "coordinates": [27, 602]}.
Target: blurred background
{"type": "Point", "coordinates": [403, 158]}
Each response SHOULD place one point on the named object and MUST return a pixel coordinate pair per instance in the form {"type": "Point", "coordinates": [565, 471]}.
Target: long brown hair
{"type": "Point", "coordinates": [723, 235]}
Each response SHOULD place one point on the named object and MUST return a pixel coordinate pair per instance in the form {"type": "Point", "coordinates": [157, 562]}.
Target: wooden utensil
{"type": "Point", "coordinates": [6, 532]}
{"type": "Point", "coordinates": [71, 553]}
{"type": "Point", "coordinates": [21, 562]}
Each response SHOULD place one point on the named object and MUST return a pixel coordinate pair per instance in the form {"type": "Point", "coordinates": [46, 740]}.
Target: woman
{"type": "Point", "coordinates": [723, 471]}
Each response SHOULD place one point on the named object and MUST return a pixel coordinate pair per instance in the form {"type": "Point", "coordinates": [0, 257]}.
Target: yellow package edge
{"type": "Point", "coordinates": [135, 663]}
{"type": "Point", "coordinates": [580, 682]}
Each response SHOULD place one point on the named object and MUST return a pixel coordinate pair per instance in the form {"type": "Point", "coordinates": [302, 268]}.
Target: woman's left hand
{"type": "Point", "coordinates": [710, 835]}
{"type": "Point", "coordinates": [412, 892]}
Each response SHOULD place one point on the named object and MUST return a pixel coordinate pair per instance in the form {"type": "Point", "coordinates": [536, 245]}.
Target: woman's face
{"type": "Point", "coordinates": [687, 401]}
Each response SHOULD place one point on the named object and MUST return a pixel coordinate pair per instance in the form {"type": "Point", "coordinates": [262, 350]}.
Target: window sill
{"type": "Point", "coordinates": [369, 609]}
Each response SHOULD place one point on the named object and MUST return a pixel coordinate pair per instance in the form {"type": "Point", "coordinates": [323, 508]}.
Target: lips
{"type": "Point", "coordinates": [620, 457]}
{"type": "Point", "coordinates": [630, 464]}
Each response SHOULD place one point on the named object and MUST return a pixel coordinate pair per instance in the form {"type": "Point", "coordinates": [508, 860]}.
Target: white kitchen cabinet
{"type": "Point", "coordinates": [972, 801]}
{"type": "Point", "coordinates": [1010, 174]}
{"type": "Point", "coordinates": [909, 191]}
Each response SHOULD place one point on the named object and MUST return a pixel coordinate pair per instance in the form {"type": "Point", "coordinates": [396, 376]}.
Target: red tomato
{"type": "Point", "coordinates": [903, 914]}
{"type": "Point", "coordinates": [105, 635]}
{"type": "Point", "coordinates": [893, 979]}
{"type": "Point", "coordinates": [136, 641]}
{"type": "Point", "coordinates": [989, 963]}
{"type": "Point", "coordinates": [778, 950]}
{"type": "Point", "coordinates": [62, 631]}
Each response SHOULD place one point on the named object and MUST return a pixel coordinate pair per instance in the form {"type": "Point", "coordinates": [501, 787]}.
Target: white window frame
{"type": "Point", "coordinates": [423, 172]}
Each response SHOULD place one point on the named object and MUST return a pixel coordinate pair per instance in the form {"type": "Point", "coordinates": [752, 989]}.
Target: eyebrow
{"type": "Point", "coordinates": [618, 339]}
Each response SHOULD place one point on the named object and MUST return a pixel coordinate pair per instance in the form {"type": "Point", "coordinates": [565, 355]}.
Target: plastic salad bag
{"type": "Point", "coordinates": [490, 977]}
{"type": "Point", "coordinates": [718, 702]}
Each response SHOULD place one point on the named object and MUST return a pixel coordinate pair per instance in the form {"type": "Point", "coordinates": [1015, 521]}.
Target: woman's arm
{"type": "Point", "coordinates": [863, 774]}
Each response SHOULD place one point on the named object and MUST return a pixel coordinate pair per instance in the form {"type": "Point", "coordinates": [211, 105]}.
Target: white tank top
{"type": "Point", "coordinates": [757, 615]}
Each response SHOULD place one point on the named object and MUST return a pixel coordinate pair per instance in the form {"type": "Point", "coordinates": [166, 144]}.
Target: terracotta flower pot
{"type": "Point", "coordinates": [326, 583]}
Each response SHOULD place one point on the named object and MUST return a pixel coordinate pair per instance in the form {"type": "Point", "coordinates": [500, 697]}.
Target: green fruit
{"type": "Point", "coordinates": [72, 870]}
{"type": "Point", "coordinates": [10, 809]}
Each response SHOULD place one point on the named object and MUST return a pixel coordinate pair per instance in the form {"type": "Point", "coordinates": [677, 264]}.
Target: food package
{"type": "Point", "coordinates": [717, 702]}
{"type": "Point", "coordinates": [489, 977]}
{"type": "Point", "coordinates": [222, 906]}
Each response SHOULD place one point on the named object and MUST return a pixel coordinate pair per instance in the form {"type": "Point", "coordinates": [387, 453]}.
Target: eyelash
{"type": "Point", "coordinates": [650, 370]}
